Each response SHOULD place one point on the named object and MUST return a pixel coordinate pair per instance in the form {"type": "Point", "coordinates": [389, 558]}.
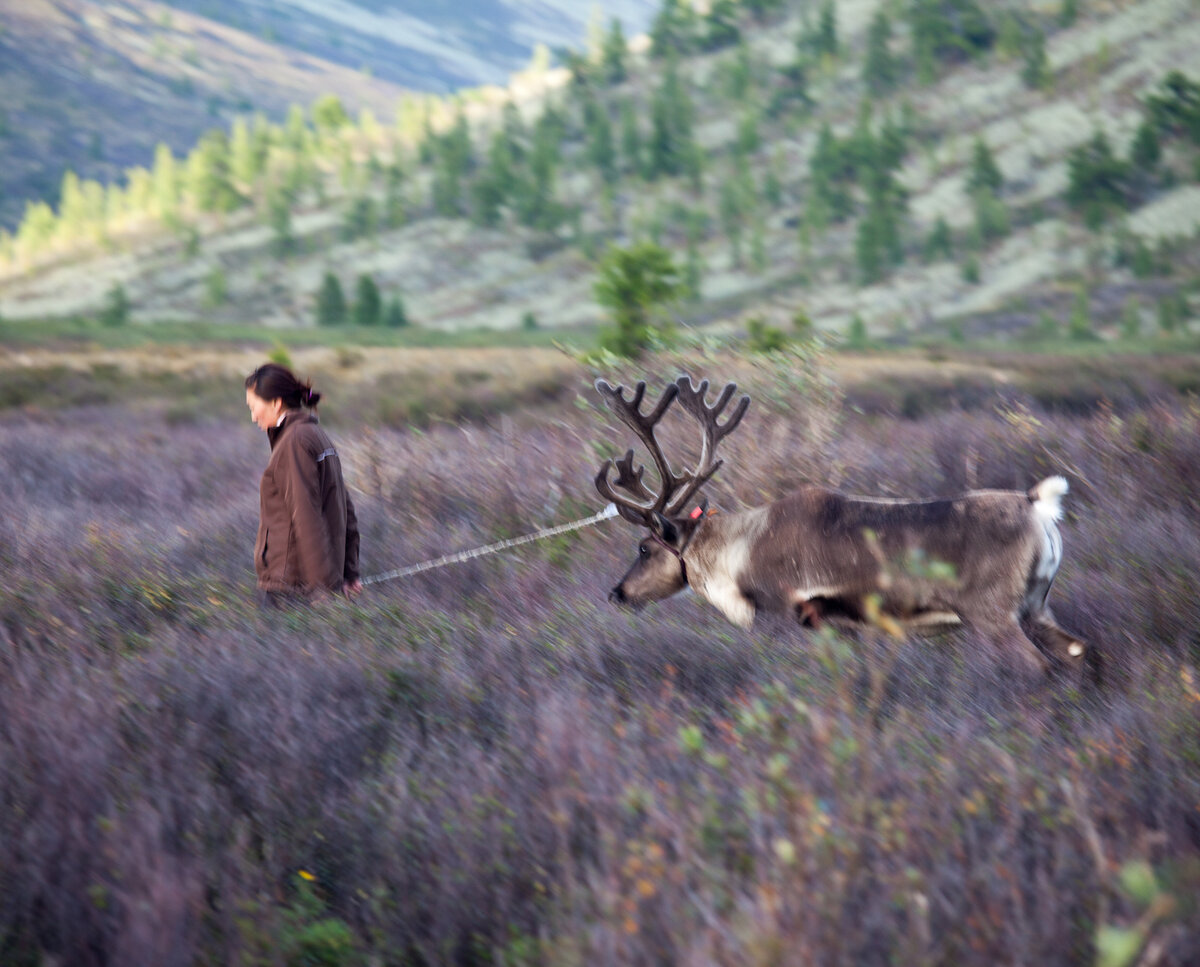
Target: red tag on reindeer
{"type": "Point", "coordinates": [696, 513]}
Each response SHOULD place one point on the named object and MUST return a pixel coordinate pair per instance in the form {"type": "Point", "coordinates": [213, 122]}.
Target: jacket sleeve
{"type": "Point", "coordinates": [302, 496]}
{"type": "Point", "coordinates": [351, 571]}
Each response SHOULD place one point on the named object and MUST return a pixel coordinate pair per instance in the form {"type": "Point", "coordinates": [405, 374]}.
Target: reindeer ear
{"type": "Point", "coordinates": [664, 529]}
{"type": "Point", "coordinates": [698, 512]}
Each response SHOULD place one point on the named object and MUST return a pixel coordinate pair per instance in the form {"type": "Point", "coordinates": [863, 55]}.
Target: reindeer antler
{"type": "Point", "coordinates": [691, 398]}
{"type": "Point", "coordinates": [640, 504]}
{"type": "Point", "coordinates": [645, 503]}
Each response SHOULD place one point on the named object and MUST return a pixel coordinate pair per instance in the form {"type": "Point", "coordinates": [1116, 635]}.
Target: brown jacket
{"type": "Point", "coordinates": [307, 531]}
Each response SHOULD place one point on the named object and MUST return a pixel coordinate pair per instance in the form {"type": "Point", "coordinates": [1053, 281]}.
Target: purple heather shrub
{"type": "Point", "coordinates": [489, 764]}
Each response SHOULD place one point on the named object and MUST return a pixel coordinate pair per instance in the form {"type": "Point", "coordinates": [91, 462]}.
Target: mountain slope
{"type": "Point", "coordinates": [422, 44]}
{"type": "Point", "coordinates": [774, 263]}
{"type": "Point", "coordinates": [93, 86]}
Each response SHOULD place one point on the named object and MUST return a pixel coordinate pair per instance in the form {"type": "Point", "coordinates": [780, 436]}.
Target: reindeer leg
{"type": "Point", "coordinates": [1064, 648]}
{"type": "Point", "coordinates": [809, 614]}
{"type": "Point", "coordinates": [1014, 645]}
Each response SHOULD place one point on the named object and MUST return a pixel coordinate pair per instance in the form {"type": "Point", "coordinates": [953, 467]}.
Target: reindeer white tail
{"type": "Point", "coordinates": [1047, 498]}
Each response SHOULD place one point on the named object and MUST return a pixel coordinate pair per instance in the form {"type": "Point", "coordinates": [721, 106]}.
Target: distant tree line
{"type": "Point", "coordinates": [369, 307]}
{"type": "Point", "coordinates": [1101, 182]}
{"type": "Point", "coordinates": [507, 167]}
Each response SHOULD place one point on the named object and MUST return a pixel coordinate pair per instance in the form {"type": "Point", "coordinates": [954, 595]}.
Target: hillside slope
{"type": "Point", "coordinates": [771, 261]}
{"type": "Point", "coordinates": [93, 86]}
{"type": "Point", "coordinates": [421, 45]}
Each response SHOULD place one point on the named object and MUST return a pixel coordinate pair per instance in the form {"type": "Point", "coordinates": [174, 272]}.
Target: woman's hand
{"type": "Point", "coordinates": [352, 588]}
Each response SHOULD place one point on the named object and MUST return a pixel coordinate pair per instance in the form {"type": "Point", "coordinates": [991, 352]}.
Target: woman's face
{"type": "Point", "coordinates": [264, 413]}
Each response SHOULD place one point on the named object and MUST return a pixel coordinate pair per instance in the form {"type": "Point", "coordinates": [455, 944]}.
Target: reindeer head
{"type": "Point", "coordinates": [669, 514]}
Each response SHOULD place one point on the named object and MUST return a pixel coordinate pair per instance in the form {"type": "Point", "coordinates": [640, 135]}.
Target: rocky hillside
{"type": "Point", "coordinates": [421, 45]}
{"type": "Point", "coordinates": [778, 118]}
{"type": "Point", "coordinates": [92, 86]}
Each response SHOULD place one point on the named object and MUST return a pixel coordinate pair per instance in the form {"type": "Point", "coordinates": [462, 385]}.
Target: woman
{"type": "Point", "coordinates": [307, 533]}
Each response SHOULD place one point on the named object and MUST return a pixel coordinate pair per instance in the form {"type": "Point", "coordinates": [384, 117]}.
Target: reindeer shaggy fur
{"type": "Point", "coordinates": [984, 559]}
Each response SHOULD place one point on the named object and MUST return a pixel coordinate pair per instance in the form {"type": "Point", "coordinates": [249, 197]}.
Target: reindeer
{"type": "Point", "coordinates": [984, 559]}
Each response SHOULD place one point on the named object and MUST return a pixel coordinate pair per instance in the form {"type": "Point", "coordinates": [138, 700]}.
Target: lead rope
{"type": "Point", "coordinates": [403, 572]}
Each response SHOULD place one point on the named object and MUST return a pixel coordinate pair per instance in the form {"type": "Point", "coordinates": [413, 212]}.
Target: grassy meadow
{"type": "Point", "coordinates": [489, 764]}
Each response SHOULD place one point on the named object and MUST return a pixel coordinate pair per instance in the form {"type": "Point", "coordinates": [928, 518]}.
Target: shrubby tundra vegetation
{"type": "Point", "coordinates": [489, 764]}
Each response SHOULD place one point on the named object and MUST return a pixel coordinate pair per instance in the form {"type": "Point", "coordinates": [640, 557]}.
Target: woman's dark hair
{"type": "Point", "coordinates": [274, 382]}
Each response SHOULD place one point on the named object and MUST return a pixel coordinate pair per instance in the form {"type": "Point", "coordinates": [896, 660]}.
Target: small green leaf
{"type": "Point", "coordinates": [1117, 946]}
{"type": "Point", "coordinates": [691, 738]}
{"type": "Point", "coordinates": [1137, 879]}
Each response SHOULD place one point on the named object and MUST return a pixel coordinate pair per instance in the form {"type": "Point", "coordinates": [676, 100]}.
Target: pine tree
{"type": "Point", "coordinates": [393, 196]}
{"type": "Point", "coordinates": [601, 151]}
{"type": "Point", "coordinates": [832, 169]}
{"type": "Point", "coordinates": [536, 203]}
{"type": "Point", "coordinates": [758, 244]}
{"type": "Point", "coordinates": [674, 29]}
{"type": "Point", "coordinates": [243, 160]}
{"type": "Point", "coordinates": [826, 40]}
{"type": "Point", "coordinates": [368, 307]}
{"type": "Point", "coordinates": [296, 132]}
{"type": "Point", "coordinates": [1079, 325]}
{"type": "Point", "coordinates": [614, 51]}
{"type": "Point", "coordinates": [208, 179]}
{"type": "Point", "coordinates": [636, 284]}
{"type": "Point", "coordinates": [72, 217]}
{"type": "Point", "coordinates": [748, 140]}
{"type": "Point", "coordinates": [329, 115]}
{"type": "Point", "coordinates": [947, 31]}
{"type": "Point", "coordinates": [216, 287]}
{"type": "Point", "coordinates": [880, 70]}
{"type": "Point", "coordinates": [761, 8]}
{"type": "Point", "coordinates": [410, 114]}
{"type": "Point", "coordinates": [361, 219]}
{"type": "Point", "coordinates": [693, 272]}
{"type": "Point", "coordinates": [395, 316]}
{"type": "Point", "coordinates": [140, 191]}
{"type": "Point", "coordinates": [166, 182]}
{"type": "Point", "coordinates": [671, 125]}
{"type": "Point", "coordinates": [732, 205]}
{"type": "Point", "coordinates": [991, 217]}
{"type": "Point", "coordinates": [487, 198]}
{"type": "Point", "coordinates": [37, 229]}
{"type": "Point", "coordinates": [1174, 108]}
{"type": "Point", "coordinates": [331, 302]}
{"type": "Point", "coordinates": [1098, 181]}
{"type": "Point", "coordinates": [115, 311]}
{"type": "Point", "coordinates": [447, 193]}
{"type": "Point", "coordinates": [985, 175]}
{"type": "Point", "coordinates": [856, 333]}
{"type": "Point", "coordinates": [1146, 150]}
{"type": "Point", "coordinates": [1035, 72]}
{"type": "Point", "coordinates": [631, 140]}
{"type": "Point", "coordinates": [279, 217]}
{"type": "Point", "coordinates": [721, 25]}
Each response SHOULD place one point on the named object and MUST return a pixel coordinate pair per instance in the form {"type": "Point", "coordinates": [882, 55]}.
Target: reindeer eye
{"type": "Point", "coordinates": [644, 551]}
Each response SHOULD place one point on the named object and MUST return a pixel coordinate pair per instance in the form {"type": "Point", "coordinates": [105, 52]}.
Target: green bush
{"type": "Point", "coordinates": [1098, 180]}
{"type": "Point", "coordinates": [331, 302]}
{"type": "Point", "coordinates": [368, 307]}
{"type": "Point", "coordinates": [636, 284]}
{"type": "Point", "coordinates": [762, 337]}
{"type": "Point", "coordinates": [395, 316]}
{"type": "Point", "coordinates": [326, 943]}
{"type": "Point", "coordinates": [115, 311]}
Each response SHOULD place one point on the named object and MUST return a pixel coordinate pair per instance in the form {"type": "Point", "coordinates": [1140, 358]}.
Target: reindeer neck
{"type": "Point", "coordinates": [720, 534]}
{"type": "Point", "coordinates": [717, 557]}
